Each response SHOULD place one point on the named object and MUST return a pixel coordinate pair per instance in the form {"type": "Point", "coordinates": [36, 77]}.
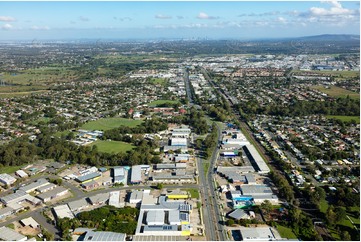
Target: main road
{"type": "Point", "coordinates": [212, 218]}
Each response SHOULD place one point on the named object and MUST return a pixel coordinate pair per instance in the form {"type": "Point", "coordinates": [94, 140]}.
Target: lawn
{"type": "Point", "coordinates": [19, 94]}
{"type": "Point", "coordinates": [10, 169]}
{"type": "Point", "coordinates": [323, 206]}
{"type": "Point", "coordinates": [161, 102]}
{"type": "Point", "coordinates": [334, 91]}
{"type": "Point", "coordinates": [112, 146]}
{"type": "Point", "coordinates": [193, 192]}
{"type": "Point", "coordinates": [205, 167]}
{"type": "Point", "coordinates": [340, 74]}
{"type": "Point", "coordinates": [160, 81]}
{"type": "Point", "coordinates": [344, 118]}
{"type": "Point", "coordinates": [286, 232]}
{"type": "Point", "coordinates": [110, 123]}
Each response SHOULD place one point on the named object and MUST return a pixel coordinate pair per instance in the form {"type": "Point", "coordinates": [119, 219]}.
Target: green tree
{"type": "Point", "coordinates": [345, 236]}
{"type": "Point", "coordinates": [266, 206]}
{"type": "Point", "coordinates": [340, 214]}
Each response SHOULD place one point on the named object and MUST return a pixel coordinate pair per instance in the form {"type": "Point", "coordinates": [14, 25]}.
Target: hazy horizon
{"type": "Point", "coordinates": [176, 20]}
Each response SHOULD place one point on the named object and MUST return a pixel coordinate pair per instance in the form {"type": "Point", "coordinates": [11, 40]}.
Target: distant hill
{"type": "Point", "coordinates": [330, 37]}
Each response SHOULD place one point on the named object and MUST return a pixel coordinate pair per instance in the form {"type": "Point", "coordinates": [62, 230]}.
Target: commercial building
{"type": "Point", "coordinates": [103, 236]}
{"type": "Point", "coordinates": [119, 175]}
{"type": "Point", "coordinates": [257, 234]}
{"type": "Point", "coordinates": [63, 211]}
{"type": "Point", "coordinates": [241, 214]}
{"type": "Point", "coordinates": [78, 205]}
{"type": "Point", "coordinates": [18, 197]}
{"type": "Point", "coordinates": [8, 234]}
{"type": "Point", "coordinates": [170, 166]}
{"type": "Point", "coordinates": [21, 174]}
{"type": "Point", "coordinates": [30, 222]}
{"type": "Point", "coordinates": [99, 199]}
{"type": "Point", "coordinates": [155, 217]}
{"type": "Point", "coordinates": [182, 158]}
{"type": "Point", "coordinates": [6, 179]}
{"type": "Point", "coordinates": [90, 185]}
{"type": "Point", "coordinates": [241, 201]}
{"type": "Point", "coordinates": [225, 170]}
{"type": "Point", "coordinates": [114, 199]}
{"type": "Point", "coordinates": [178, 141]}
{"type": "Point", "coordinates": [173, 177]}
{"type": "Point", "coordinates": [88, 177]}
{"type": "Point", "coordinates": [256, 190]}
{"type": "Point", "coordinates": [35, 185]}
{"type": "Point", "coordinates": [46, 188]}
{"type": "Point", "coordinates": [256, 160]}
{"type": "Point", "coordinates": [136, 197]}
{"type": "Point", "coordinates": [49, 195]}
{"type": "Point", "coordinates": [5, 212]}
{"type": "Point", "coordinates": [136, 173]}
{"type": "Point", "coordinates": [166, 217]}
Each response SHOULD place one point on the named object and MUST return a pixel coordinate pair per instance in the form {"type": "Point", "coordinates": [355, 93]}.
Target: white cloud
{"type": "Point", "coordinates": [203, 15]}
{"type": "Point", "coordinates": [7, 27]}
{"type": "Point", "coordinates": [180, 17]}
{"type": "Point", "coordinates": [35, 27]}
{"type": "Point", "coordinates": [161, 16]}
{"type": "Point", "coordinates": [84, 19]}
{"type": "Point", "coordinates": [282, 20]}
{"type": "Point", "coordinates": [7, 19]}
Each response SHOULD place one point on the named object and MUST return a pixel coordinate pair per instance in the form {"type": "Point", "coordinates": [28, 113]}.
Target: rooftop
{"type": "Point", "coordinates": [104, 236]}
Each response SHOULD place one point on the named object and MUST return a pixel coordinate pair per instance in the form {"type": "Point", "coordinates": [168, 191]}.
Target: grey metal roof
{"type": "Point", "coordinates": [238, 214]}
{"type": "Point", "coordinates": [155, 217]}
{"type": "Point", "coordinates": [174, 216]}
{"type": "Point", "coordinates": [255, 189]}
{"type": "Point", "coordinates": [250, 178]}
{"type": "Point", "coordinates": [46, 187]}
{"type": "Point", "coordinates": [32, 186]}
{"type": "Point", "coordinates": [14, 197]}
{"type": "Point", "coordinates": [262, 166]}
{"type": "Point", "coordinates": [8, 234]}
{"type": "Point", "coordinates": [160, 228]}
{"type": "Point", "coordinates": [52, 193]}
{"type": "Point", "coordinates": [5, 211]}
{"type": "Point", "coordinates": [75, 205]}
{"type": "Point", "coordinates": [159, 238]}
{"type": "Point", "coordinates": [136, 175]}
{"type": "Point", "coordinates": [99, 198]}
{"type": "Point", "coordinates": [118, 171]}
{"type": "Point", "coordinates": [88, 176]}
{"type": "Point", "coordinates": [104, 236]}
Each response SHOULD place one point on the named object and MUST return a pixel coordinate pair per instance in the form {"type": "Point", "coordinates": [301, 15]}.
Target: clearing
{"type": "Point", "coordinates": [344, 118]}
{"type": "Point", "coordinates": [112, 146]}
{"type": "Point", "coordinates": [334, 91]}
{"type": "Point", "coordinates": [110, 123]}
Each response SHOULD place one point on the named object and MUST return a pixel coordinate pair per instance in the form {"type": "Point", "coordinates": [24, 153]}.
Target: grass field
{"type": "Point", "coordinates": [193, 192]}
{"type": "Point", "coordinates": [340, 74]}
{"type": "Point", "coordinates": [334, 91]}
{"type": "Point", "coordinates": [10, 169]}
{"type": "Point", "coordinates": [110, 123]}
{"type": "Point", "coordinates": [286, 232]}
{"type": "Point", "coordinates": [346, 222]}
{"type": "Point", "coordinates": [40, 76]}
{"type": "Point", "coordinates": [161, 102]}
{"type": "Point", "coordinates": [344, 118]}
{"type": "Point", "coordinates": [19, 94]}
{"type": "Point", "coordinates": [205, 167]}
{"type": "Point", "coordinates": [112, 146]}
{"type": "Point", "coordinates": [160, 81]}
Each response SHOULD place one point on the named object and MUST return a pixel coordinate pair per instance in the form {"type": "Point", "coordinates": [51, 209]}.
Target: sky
{"type": "Point", "coordinates": [173, 20]}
